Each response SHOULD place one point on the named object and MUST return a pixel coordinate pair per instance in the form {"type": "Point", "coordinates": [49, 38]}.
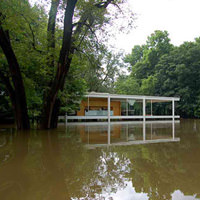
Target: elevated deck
{"type": "Point", "coordinates": [118, 117]}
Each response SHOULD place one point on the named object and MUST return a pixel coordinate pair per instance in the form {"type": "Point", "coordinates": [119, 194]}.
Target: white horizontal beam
{"type": "Point", "coordinates": [87, 117]}
{"type": "Point", "coordinates": [137, 97]}
{"type": "Point", "coordinates": [123, 123]}
{"type": "Point", "coordinates": [91, 146]}
{"type": "Point", "coordinates": [123, 117]}
{"type": "Point", "coordinates": [162, 116]}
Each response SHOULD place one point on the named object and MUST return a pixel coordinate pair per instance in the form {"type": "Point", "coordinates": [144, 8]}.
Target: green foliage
{"type": "Point", "coordinates": [135, 56]}
{"type": "Point", "coordinates": [148, 85]}
{"type": "Point", "coordinates": [158, 68]}
{"type": "Point", "coordinates": [127, 85]}
{"type": "Point", "coordinates": [178, 75]}
{"type": "Point", "coordinates": [98, 67]}
{"type": "Point", "coordinates": [27, 26]}
{"type": "Point", "coordinates": [76, 88]}
{"type": "Point", "coordinates": [94, 67]}
{"type": "Point", "coordinates": [143, 61]}
{"type": "Point", "coordinates": [34, 98]}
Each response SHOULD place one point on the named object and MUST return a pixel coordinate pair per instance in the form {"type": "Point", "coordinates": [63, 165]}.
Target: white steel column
{"type": "Point", "coordinates": [108, 109]}
{"type": "Point", "coordinates": [144, 108]}
{"type": "Point", "coordinates": [151, 108]}
{"type": "Point", "coordinates": [173, 109]}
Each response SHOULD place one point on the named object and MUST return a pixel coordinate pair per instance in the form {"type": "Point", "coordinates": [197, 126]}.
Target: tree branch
{"type": "Point", "coordinates": [32, 32]}
{"type": "Point", "coordinates": [81, 40]}
{"type": "Point", "coordinates": [103, 4]}
{"type": "Point", "coordinates": [52, 23]}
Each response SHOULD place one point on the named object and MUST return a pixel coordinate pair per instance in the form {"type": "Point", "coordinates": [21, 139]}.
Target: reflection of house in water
{"type": "Point", "coordinates": [98, 134]}
{"type": "Point", "coordinates": [126, 133]}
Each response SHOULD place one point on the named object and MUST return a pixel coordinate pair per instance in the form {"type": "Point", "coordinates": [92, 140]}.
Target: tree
{"type": "Point", "coordinates": [72, 34]}
{"type": "Point", "coordinates": [102, 72]}
{"type": "Point", "coordinates": [175, 72]}
{"type": "Point", "coordinates": [25, 44]}
{"type": "Point", "coordinates": [158, 68]}
{"type": "Point", "coordinates": [178, 75]}
{"type": "Point", "coordinates": [127, 85]}
{"type": "Point", "coordinates": [143, 59]}
{"type": "Point", "coordinates": [135, 56]}
{"type": "Point", "coordinates": [148, 85]}
{"type": "Point", "coordinates": [17, 90]}
{"type": "Point", "coordinates": [51, 57]}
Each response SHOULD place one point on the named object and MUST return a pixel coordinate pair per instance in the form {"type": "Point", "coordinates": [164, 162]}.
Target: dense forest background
{"type": "Point", "coordinates": [161, 69]}
{"type": "Point", "coordinates": [155, 68]}
{"type": "Point", "coordinates": [53, 52]}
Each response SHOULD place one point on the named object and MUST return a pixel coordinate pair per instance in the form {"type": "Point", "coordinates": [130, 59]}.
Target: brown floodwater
{"type": "Point", "coordinates": [119, 161]}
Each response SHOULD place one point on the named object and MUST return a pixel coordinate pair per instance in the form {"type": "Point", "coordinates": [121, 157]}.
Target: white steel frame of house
{"type": "Point", "coordinates": [116, 97]}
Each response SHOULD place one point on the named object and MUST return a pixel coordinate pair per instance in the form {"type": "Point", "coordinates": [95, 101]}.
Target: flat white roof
{"type": "Point", "coordinates": [137, 97]}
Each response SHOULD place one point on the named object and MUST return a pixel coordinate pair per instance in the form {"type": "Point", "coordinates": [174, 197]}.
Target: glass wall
{"type": "Point", "coordinates": [131, 107]}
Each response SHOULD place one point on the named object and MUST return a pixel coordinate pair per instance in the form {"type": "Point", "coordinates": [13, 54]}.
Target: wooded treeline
{"type": "Point", "coordinates": [161, 69]}
{"type": "Point", "coordinates": [48, 60]}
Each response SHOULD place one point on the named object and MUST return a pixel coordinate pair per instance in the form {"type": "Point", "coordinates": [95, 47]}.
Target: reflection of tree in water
{"type": "Point", "coordinates": [55, 166]}
{"type": "Point", "coordinates": [109, 175]}
{"type": "Point", "coordinates": [13, 180]}
{"type": "Point", "coordinates": [5, 142]}
{"type": "Point", "coordinates": [48, 165]}
{"type": "Point", "coordinates": [160, 169]}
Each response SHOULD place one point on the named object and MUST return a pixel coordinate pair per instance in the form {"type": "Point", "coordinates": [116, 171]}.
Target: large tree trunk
{"type": "Point", "coordinates": [55, 114]}
{"type": "Point", "coordinates": [51, 58]}
{"type": "Point", "coordinates": [52, 103]}
{"type": "Point", "coordinates": [62, 69]}
{"type": "Point", "coordinates": [17, 93]}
